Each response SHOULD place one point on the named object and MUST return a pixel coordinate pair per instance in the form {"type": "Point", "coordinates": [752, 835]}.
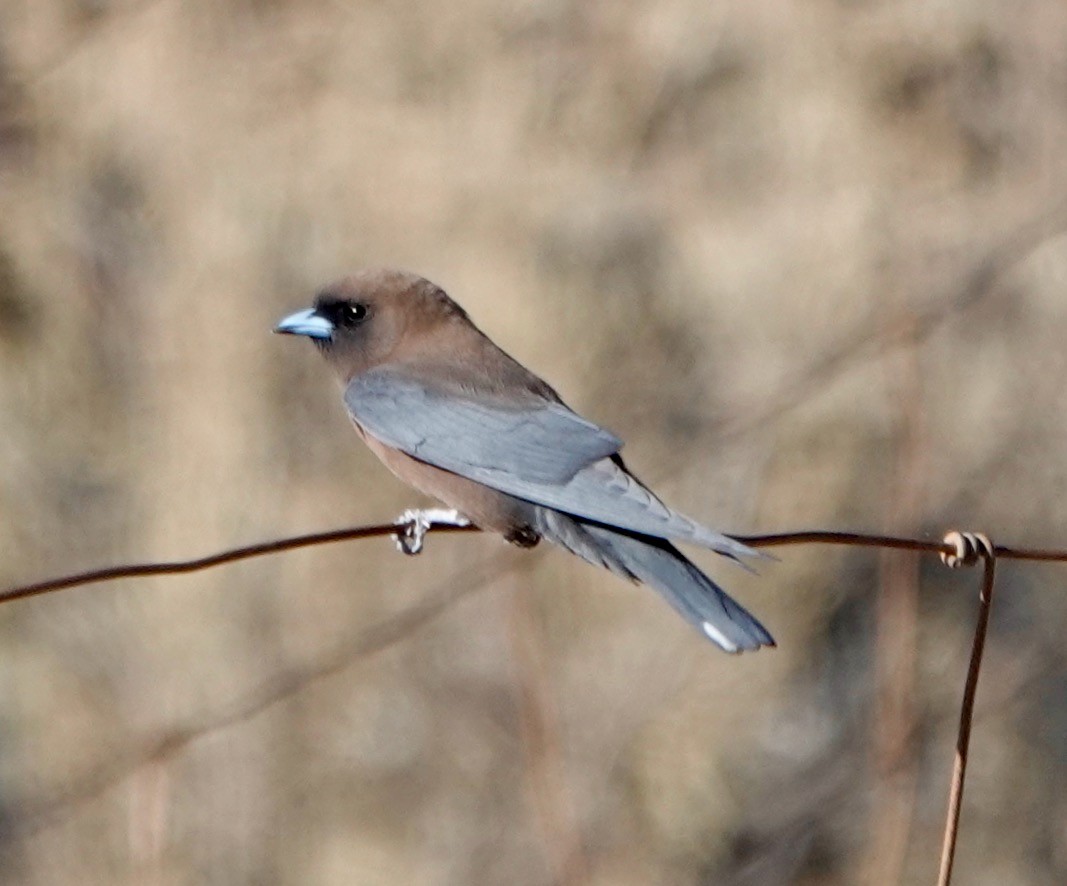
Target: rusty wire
{"type": "Point", "coordinates": [956, 549]}
{"type": "Point", "coordinates": [276, 546]}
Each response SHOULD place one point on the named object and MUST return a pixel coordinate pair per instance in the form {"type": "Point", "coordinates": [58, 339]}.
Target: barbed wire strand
{"type": "Point", "coordinates": [232, 555]}
{"type": "Point", "coordinates": [956, 549]}
{"type": "Point", "coordinates": [970, 547]}
{"type": "Point", "coordinates": [276, 546]}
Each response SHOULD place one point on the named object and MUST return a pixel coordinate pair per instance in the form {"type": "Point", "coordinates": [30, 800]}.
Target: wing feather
{"type": "Point", "coordinates": [538, 439]}
{"type": "Point", "coordinates": [537, 450]}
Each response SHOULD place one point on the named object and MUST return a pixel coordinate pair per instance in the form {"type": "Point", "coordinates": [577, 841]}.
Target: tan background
{"type": "Point", "coordinates": [808, 258]}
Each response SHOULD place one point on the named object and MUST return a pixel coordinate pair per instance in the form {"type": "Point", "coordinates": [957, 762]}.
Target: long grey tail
{"type": "Point", "coordinates": [658, 563]}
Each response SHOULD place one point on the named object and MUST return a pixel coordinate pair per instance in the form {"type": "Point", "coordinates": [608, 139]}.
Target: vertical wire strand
{"type": "Point", "coordinates": [963, 739]}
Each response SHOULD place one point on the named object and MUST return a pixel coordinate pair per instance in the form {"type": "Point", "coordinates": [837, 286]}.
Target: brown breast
{"type": "Point", "coordinates": [485, 507]}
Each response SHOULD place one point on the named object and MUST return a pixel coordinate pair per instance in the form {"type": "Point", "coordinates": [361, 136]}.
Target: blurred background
{"type": "Point", "coordinates": [808, 259]}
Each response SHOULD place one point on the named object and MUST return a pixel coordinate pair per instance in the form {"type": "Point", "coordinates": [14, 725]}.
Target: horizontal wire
{"type": "Point", "coordinates": [870, 540]}
{"type": "Point", "coordinates": [232, 555]}
{"type": "Point", "coordinates": [275, 546]}
{"type": "Point", "coordinates": [956, 549]}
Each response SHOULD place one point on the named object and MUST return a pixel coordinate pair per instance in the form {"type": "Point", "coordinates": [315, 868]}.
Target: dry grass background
{"type": "Point", "coordinates": [808, 258]}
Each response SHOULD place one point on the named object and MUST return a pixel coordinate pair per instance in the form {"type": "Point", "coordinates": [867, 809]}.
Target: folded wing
{"type": "Point", "coordinates": [540, 440]}
{"type": "Point", "coordinates": [534, 449]}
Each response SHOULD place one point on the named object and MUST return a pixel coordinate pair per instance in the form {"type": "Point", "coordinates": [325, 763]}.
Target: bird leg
{"type": "Point", "coordinates": [414, 523]}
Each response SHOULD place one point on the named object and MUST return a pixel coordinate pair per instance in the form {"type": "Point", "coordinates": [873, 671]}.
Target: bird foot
{"type": "Point", "coordinates": [415, 522]}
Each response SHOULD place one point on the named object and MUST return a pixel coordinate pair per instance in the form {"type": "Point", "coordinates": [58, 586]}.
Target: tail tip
{"type": "Point", "coordinates": [731, 646]}
{"type": "Point", "coordinates": [719, 638]}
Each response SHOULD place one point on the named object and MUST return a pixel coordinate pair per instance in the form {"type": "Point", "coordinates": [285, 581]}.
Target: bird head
{"type": "Point", "coordinates": [370, 317]}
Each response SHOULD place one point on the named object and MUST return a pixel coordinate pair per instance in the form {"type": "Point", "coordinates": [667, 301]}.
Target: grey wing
{"type": "Point", "coordinates": [540, 451]}
{"type": "Point", "coordinates": [540, 440]}
{"type": "Point", "coordinates": [660, 565]}
{"type": "Point", "coordinates": [605, 492]}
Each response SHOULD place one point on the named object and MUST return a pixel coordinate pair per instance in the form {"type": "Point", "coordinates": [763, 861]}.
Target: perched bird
{"type": "Point", "coordinates": [451, 414]}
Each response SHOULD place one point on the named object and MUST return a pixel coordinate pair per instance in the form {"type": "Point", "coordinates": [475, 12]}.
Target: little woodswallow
{"type": "Point", "coordinates": [451, 414]}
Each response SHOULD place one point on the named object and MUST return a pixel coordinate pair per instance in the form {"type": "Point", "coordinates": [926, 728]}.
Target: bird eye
{"type": "Point", "coordinates": [353, 313]}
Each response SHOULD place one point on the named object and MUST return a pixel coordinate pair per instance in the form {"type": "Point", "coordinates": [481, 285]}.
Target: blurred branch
{"type": "Point", "coordinates": [99, 26]}
{"type": "Point", "coordinates": [897, 618]}
{"type": "Point", "coordinates": [35, 814]}
{"type": "Point", "coordinates": [545, 771]}
{"type": "Point", "coordinates": [912, 330]}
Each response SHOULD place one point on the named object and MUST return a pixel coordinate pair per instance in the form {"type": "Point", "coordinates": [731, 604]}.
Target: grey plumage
{"type": "Point", "coordinates": [474, 434]}
{"type": "Point", "coordinates": [659, 564]}
{"type": "Point", "coordinates": [535, 449]}
{"type": "Point", "coordinates": [453, 415]}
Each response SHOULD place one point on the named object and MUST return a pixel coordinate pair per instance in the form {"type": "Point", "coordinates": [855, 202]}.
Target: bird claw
{"type": "Point", "coordinates": [414, 523]}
